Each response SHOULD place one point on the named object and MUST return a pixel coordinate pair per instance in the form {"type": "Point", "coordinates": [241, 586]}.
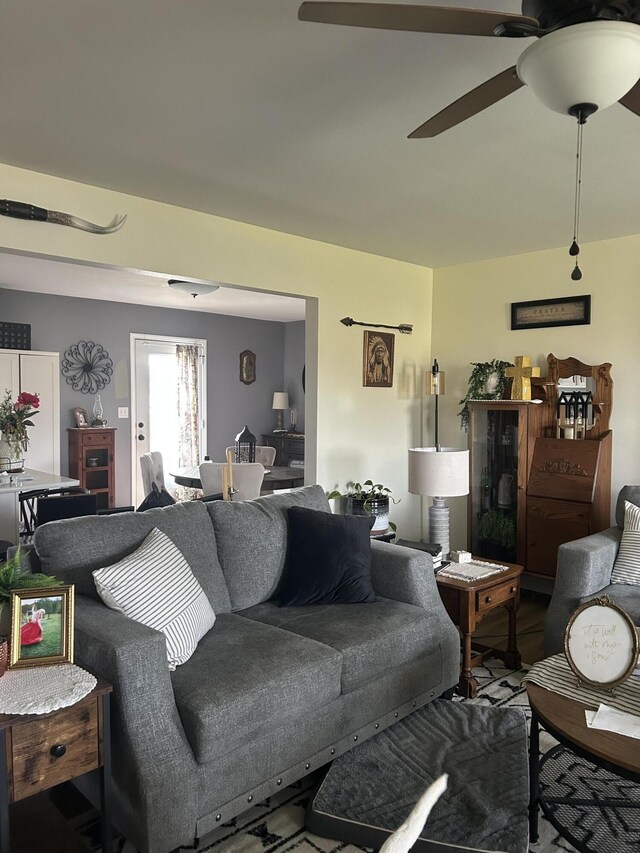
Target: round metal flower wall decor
{"type": "Point", "coordinates": [87, 367]}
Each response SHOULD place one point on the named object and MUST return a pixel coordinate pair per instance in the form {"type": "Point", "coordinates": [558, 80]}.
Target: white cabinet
{"type": "Point", "coordinates": [37, 373]}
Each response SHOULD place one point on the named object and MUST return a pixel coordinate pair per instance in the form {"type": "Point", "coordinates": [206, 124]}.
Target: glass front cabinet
{"type": "Point", "coordinates": [501, 436]}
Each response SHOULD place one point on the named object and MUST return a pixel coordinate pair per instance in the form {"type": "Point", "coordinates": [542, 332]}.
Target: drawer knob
{"type": "Point", "coordinates": [488, 599]}
{"type": "Point", "coordinates": [58, 750]}
{"type": "Point", "coordinates": [512, 589]}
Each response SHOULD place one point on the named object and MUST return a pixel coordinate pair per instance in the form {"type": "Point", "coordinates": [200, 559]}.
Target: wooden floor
{"type": "Point", "coordinates": [492, 631]}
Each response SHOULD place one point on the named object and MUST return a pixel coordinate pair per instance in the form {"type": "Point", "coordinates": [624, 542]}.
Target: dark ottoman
{"type": "Point", "coordinates": [369, 792]}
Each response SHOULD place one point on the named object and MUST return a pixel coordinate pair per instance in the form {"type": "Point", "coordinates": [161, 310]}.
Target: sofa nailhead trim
{"type": "Point", "coordinates": [396, 715]}
{"type": "Point", "coordinates": [279, 782]}
{"type": "Point", "coordinates": [218, 817]}
{"type": "Point", "coordinates": [307, 766]}
{"type": "Point", "coordinates": [333, 752]}
{"type": "Point", "coordinates": [249, 798]}
{"type": "Point", "coordinates": [377, 726]}
{"type": "Point", "coordinates": [355, 737]}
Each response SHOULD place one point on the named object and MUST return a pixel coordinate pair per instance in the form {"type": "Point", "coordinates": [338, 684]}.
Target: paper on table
{"type": "Point", "coordinates": [611, 720]}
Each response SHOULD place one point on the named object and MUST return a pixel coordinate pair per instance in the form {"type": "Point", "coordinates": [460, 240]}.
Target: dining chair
{"type": "Point", "coordinates": [152, 470]}
{"type": "Point", "coordinates": [264, 454]}
{"type": "Point", "coordinates": [28, 503]}
{"type": "Point", "coordinates": [65, 506]}
{"type": "Point", "coordinates": [247, 479]}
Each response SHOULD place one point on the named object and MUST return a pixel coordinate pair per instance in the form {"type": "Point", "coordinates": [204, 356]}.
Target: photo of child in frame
{"type": "Point", "coordinates": [81, 418]}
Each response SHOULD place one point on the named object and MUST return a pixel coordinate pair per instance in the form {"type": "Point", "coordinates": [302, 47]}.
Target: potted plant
{"type": "Point", "coordinates": [487, 382]}
{"type": "Point", "coordinates": [12, 576]}
{"type": "Point", "coordinates": [368, 498]}
{"type": "Point", "coordinates": [497, 530]}
{"type": "Point", "coordinates": [14, 420]}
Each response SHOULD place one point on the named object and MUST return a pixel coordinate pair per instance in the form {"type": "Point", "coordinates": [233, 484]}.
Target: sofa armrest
{"type": "Point", "coordinates": [404, 574]}
{"type": "Point", "coordinates": [153, 761]}
{"type": "Point", "coordinates": [584, 568]}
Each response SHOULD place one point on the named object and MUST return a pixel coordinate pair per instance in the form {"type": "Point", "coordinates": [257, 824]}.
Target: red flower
{"type": "Point", "coordinates": [27, 399]}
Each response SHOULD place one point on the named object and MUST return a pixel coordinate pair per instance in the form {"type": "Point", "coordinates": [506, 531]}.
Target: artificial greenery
{"type": "Point", "coordinates": [482, 370]}
{"type": "Point", "coordinates": [496, 526]}
{"type": "Point", "coordinates": [13, 577]}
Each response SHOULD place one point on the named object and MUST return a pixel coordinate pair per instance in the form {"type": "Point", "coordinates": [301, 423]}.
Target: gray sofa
{"type": "Point", "coordinates": [584, 572]}
{"type": "Point", "coordinates": [271, 693]}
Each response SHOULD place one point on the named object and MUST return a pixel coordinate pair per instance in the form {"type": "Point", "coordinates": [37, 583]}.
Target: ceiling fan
{"type": "Point", "coordinates": [586, 57]}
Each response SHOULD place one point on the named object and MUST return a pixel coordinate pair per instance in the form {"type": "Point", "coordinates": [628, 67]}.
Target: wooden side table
{"type": "Point", "coordinates": [39, 751]}
{"type": "Point", "coordinates": [467, 603]}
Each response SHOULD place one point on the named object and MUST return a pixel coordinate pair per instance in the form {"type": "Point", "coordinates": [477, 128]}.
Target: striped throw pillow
{"type": "Point", "coordinates": [626, 568]}
{"type": "Point", "coordinates": [155, 585]}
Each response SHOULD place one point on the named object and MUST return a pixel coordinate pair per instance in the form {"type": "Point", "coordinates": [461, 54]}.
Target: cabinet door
{"type": "Point", "coordinates": [9, 374]}
{"type": "Point", "coordinates": [39, 374]}
{"type": "Point", "coordinates": [550, 523]}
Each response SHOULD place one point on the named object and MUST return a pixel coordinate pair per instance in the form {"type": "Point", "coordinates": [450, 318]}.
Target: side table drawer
{"type": "Point", "coordinates": [33, 765]}
{"type": "Point", "coordinates": [487, 599]}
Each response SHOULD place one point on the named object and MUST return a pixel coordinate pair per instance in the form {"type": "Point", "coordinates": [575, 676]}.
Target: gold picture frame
{"type": "Point", "coordinates": [41, 626]}
{"type": "Point", "coordinates": [377, 359]}
{"type": "Point", "coordinates": [601, 644]}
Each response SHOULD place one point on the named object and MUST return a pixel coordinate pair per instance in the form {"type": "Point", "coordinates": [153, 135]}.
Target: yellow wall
{"type": "Point", "coordinates": [472, 320]}
{"type": "Point", "coordinates": [361, 432]}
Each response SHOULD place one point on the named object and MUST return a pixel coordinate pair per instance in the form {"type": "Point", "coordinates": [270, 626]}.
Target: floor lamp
{"type": "Point", "coordinates": [439, 472]}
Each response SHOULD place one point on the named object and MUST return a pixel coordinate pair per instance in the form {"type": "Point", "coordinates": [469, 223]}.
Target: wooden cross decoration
{"type": "Point", "coordinates": [521, 375]}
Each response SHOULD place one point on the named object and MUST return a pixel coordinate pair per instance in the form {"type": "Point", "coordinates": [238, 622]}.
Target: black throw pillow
{"type": "Point", "coordinates": [328, 559]}
{"type": "Point", "coordinates": [156, 498]}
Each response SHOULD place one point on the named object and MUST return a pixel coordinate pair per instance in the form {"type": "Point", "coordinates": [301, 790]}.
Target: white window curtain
{"type": "Point", "coordinates": [187, 356]}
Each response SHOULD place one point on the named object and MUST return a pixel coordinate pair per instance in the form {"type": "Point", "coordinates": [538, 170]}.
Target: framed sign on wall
{"type": "Point", "coordinates": [542, 313]}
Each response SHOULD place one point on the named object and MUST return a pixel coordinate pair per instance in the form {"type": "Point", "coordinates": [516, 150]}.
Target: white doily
{"type": "Point", "coordinates": [40, 689]}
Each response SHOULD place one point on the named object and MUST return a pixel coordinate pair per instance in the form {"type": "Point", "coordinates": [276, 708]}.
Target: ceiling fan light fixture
{"type": "Point", "coordinates": [597, 62]}
{"type": "Point", "coordinates": [193, 288]}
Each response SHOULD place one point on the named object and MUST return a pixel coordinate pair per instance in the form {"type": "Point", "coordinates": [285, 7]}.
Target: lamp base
{"type": "Point", "coordinates": [279, 421]}
{"type": "Point", "coordinates": [439, 525]}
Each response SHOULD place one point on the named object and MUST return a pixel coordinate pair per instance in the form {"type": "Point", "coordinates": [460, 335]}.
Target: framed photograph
{"type": "Point", "coordinates": [247, 367]}
{"type": "Point", "coordinates": [81, 417]}
{"type": "Point", "coordinates": [541, 313]}
{"type": "Point", "coordinates": [377, 366]}
{"type": "Point", "coordinates": [41, 626]}
{"type": "Point", "coordinates": [601, 643]}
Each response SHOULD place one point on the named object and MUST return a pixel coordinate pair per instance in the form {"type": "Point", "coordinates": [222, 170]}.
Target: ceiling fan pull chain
{"type": "Point", "coordinates": [574, 249]}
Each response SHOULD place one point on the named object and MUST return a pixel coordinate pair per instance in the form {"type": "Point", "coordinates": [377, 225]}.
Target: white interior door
{"type": "Point", "coordinates": [40, 374]}
{"type": "Point", "coordinates": [154, 398]}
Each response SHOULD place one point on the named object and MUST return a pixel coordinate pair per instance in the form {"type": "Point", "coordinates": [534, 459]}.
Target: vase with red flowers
{"type": "Point", "coordinates": [15, 418]}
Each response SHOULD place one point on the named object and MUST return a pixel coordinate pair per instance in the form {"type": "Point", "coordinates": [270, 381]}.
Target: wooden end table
{"type": "Point", "coordinates": [467, 603]}
{"type": "Point", "coordinates": [38, 751]}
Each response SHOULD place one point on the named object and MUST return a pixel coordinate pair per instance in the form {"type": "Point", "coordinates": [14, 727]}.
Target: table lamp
{"type": "Point", "coordinates": [280, 403]}
{"type": "Point", "coordinates": [439, 472]}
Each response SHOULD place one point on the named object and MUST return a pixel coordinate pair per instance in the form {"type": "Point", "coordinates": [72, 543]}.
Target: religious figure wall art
{"type": "Point", "coordinates": [377, 368]}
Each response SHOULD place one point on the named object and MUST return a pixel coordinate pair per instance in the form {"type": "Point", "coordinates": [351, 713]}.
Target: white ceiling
{"type": "Point", "coordinates": [237, 108]}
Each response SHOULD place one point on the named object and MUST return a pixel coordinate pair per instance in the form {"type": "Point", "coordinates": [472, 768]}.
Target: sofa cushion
{"type": "Point", "coordinates": [252, 541]}
{"type": "Point", "coordinates": [247, 678]}
{"type": "Point", "coordinates": [328, 559]}
{"type": "Point", "coordinates": [73, 548]}
{"type": "Point", "coordinates": [626, 596]}
{"type": "Point", "coordinates": [626, 568]}
{"type": "Point", "coordinates": [372, 638]}
{"type": "Point", "coordinates": [154, 585]}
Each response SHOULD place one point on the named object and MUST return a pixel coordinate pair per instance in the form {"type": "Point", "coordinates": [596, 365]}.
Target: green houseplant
{"type": "Point", "coordinates": [497, 530]}
{"type": "Point", "coordinates": [12, 576]}
{"type": "Point", "coordinates": [368, 498]}
{"type": "Point", "coordinates": [487, 382]}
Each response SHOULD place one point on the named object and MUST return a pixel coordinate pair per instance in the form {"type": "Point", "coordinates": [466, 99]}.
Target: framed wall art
{"type": "Point", "coordinates": [41, 626]}
{"type": "Point", "coordinates": [377, 365]}
{"type": "Point", "coordinates": [247, 367]}
{"type": "Point", "coordinates": [542, 313]}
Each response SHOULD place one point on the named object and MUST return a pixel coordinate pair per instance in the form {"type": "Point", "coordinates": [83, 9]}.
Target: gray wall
{"type": "Point", "coordinates": [59, 321]}
{"type": "Point", "coordinates": [293, 364]}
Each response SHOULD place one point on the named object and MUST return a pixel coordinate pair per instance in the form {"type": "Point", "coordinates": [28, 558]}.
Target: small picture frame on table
{"type": "Point", "coordinates": [41, 626]}
{"type": "Point", "coordinates": [81, 417]}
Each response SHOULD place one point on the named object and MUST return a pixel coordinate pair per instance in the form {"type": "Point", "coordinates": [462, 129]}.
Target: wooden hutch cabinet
{"type": "Point", "coordinates": [92, 461]}
{"type": "Point", "coordinates": [530, 491]}
{"type": "Point", "coordinates": [289, 446]}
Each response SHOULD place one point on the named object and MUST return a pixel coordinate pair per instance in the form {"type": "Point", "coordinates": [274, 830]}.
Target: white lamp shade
{"type": "Point", "coordinates": [280, 400]}
{"type": "Point", "coordinates": [592, 63]}
{"type": "Point", "coordinates": [442, 473]}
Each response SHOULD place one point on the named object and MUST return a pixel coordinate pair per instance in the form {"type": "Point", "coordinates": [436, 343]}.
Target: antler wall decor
{"type": "Point", "coordinates": [405, 328]}
{"type": "Point", "coordinates": [22, 210]}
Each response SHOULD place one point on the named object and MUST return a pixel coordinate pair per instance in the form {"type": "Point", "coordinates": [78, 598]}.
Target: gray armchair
{"type": "Point", "coordinates": [584, 572]}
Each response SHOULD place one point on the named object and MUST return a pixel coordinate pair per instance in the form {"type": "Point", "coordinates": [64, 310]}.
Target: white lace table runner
{"type": "Point", "coordinates": [555, 674]}
{"type": "Point", "coordinates": [40, 689]}
{"type": "Point", "coordinates": [469, 572]}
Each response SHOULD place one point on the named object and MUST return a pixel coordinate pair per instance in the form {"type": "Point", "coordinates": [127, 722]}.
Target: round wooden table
{"type": "Point", "coordinates": [276, 478]}
{"type": "Point", "coordinates": [563, 718]}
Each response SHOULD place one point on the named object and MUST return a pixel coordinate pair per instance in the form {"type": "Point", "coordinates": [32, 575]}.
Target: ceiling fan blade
{"type": "Point", "coordinates": [419, 19]}
{"type": "Point", "coordinates": [632, 99]}
{"type": "Point", "coordinates": [468, 105]}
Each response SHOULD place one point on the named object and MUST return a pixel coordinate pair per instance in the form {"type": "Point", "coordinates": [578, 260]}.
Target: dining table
{"type": "Point", "coordinates": [276, 477]}
{"type": "Point", "coordinates": [26, 480]}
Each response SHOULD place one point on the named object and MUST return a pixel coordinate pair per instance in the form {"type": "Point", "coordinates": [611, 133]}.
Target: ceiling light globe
{"type": "Point", "coordinates": [592, 63]}
{"type": "Point", "coordinates": [193, 288]}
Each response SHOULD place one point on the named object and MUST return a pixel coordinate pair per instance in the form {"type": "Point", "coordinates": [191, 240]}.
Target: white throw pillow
{"type": "Point", "coordinates": [155, 585]}
{"type": "Point", "coordinates": [626, 568]}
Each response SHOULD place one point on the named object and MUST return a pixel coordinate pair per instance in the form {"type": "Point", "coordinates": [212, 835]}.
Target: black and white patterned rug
{"type": "Point", "coordinates": [276, 825]}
